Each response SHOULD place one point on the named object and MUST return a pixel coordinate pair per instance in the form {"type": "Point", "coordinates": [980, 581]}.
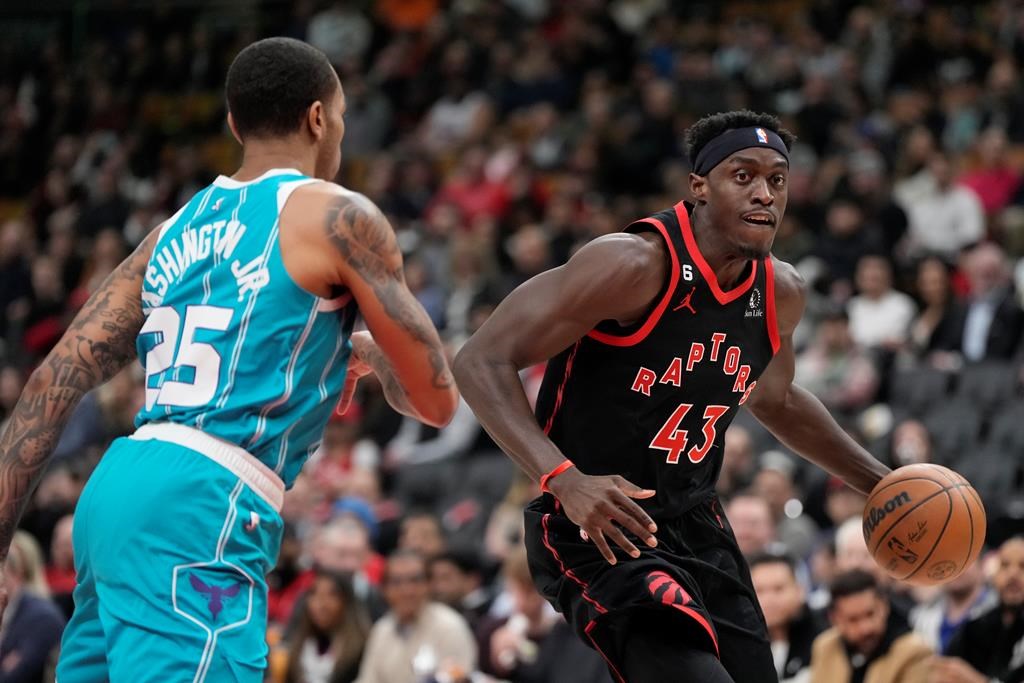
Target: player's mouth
{"type": "Point", "coordinates": [760, 219]}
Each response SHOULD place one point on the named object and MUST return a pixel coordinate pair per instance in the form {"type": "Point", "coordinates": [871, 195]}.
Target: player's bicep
{"type": "Point", "coordinates": [101, 339]}
{"type": "Point", "coordinates": [370, 266]}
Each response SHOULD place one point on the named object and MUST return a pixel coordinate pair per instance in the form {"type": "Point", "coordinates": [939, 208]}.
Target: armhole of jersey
{"type": "Point", "coordinates": [284, 193]}
{"type": "Point", "coordinates": [769, 304]}
{"type": "Point", "coordinates": [655, 315]}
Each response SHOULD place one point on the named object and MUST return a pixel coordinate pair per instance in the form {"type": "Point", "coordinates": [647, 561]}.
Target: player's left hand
{"type": "Point", "coordinates": [953, 670]}
{"type": "Point", "coordinates": [357, 369]}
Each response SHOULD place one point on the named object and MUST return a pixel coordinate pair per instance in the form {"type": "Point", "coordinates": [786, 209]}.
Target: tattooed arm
{"type": "Point", "coordinates": [405, 350]}
{"type": "Point", "coordinates": [98, 344]}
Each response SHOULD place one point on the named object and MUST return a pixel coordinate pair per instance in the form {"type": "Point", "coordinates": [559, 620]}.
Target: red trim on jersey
{"type": "Point", "coordinates": [702, 265]}
{"type": "Point", "coordinates": [561, 388]}
{"type": "Point", "coordinates": [769, 304]}
{"type": "Point", "coordinates": [587, 630]}
{"type": "Point", "coordinates": [655, 315]}
{"type": "Point", "coordinates": [568, 572]}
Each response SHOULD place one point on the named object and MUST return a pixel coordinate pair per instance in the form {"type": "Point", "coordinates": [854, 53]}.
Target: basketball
{"type": "Point", "coordinates": [924, 524]}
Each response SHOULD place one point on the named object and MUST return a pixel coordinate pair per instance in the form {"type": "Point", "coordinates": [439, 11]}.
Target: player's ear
{"type": "Point", "coordinates": [316, 119]}
{"type": "Point", "coordinates": [234, 128]}
{"type": "Point", "coordinates": [698, 188]}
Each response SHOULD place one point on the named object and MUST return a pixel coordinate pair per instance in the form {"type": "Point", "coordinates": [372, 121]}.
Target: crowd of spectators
{"type": "Point", "coordinates": [498, 137]}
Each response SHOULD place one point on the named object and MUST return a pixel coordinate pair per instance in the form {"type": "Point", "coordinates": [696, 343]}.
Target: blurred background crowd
{"type": "Point", "coordinates": [498, 136]}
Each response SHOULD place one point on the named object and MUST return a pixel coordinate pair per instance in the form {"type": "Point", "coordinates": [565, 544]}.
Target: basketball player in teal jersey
{"type": "Point", "coordinates": [241, 308]}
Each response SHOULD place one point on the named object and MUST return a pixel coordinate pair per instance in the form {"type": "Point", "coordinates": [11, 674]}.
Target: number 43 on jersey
{"type": "Point", "coordinates": [673, 439]}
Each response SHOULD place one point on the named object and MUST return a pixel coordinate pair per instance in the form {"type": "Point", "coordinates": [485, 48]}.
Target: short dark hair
{"type": "Point", "coordinates": [272, 83]}
{"type": "Point", "coordinates": [772, 557]}
{"type": "Point", "coordinates": [852, 582]}
{"type": "Point", "coordinates": [710, 127]}
{"type": "Point", "coordinates": [405, 554]}
{"type": "Point", "coordinates": [466, 560]}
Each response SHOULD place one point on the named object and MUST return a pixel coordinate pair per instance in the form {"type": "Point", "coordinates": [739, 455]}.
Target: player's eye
{"type": "Point", "coordinates": [742, 176]}
{"type": "Point", "coordinates": [779, 180]}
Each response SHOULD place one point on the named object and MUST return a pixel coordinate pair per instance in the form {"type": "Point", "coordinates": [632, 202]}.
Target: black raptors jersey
{"type": "Point", "coordinates": [651, 402]}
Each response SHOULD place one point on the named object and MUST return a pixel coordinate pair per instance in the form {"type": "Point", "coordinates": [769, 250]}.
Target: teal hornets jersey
{"type": "Point", "coordinates": [231, 344]}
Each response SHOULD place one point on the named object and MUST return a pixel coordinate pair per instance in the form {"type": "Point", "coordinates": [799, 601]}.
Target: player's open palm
{"type": "Point", "coordinates": [600, 505]}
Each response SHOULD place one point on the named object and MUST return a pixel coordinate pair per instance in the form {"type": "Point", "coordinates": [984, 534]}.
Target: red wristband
{"type": "Point", "coordinates": [552, 474]}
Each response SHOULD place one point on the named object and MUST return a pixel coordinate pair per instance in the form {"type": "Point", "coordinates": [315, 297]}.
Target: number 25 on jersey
{"type": "Point", "coordinates": [176, 347]}
{"type": "Point", "coordinates": [672, 439]}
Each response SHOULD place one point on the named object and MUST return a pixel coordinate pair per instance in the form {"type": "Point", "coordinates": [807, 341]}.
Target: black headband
{"type": "Point", "coordinates": [732, 141]}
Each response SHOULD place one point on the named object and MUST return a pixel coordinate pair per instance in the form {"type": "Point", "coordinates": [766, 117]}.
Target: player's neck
{"type": "Point", "coordinates": [263, 155]}
{"type": "Point", "coordinates": [727, 263]}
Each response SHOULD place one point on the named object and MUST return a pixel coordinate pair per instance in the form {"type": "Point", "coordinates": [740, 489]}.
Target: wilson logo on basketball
{"type": "Point", "coordinates": [877, 514]}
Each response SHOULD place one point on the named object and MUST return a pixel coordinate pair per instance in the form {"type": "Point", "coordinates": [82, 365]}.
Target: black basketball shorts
{"type": "Point", "coordinates": [696, 582]}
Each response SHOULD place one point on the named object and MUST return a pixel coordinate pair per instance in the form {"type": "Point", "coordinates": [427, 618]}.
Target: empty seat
{"type": "Point", "coordinates": [987, 385]}
{"type": "Point", "coordinates": [918, 389]}
{"type": "Point", "coordinates": [995, 479]}
{"type": "Point", "coordinates": [1006, 432]}
{"type": "Point", "coordinates": [954, 427]}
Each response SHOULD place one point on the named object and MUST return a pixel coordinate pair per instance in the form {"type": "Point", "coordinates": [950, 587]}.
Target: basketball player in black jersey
{"type": "Point", "coordinates": [656, 336]}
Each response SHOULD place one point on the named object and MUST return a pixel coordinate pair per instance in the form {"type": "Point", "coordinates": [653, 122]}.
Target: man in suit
{"type": "Point", "coordinates": [988, 325]}
{"type": "Point", "coordinates": [31, 627]}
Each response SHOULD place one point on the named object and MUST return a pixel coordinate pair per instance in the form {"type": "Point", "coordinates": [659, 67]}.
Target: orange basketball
{"type": "Point", "coordinates": [924, 524]}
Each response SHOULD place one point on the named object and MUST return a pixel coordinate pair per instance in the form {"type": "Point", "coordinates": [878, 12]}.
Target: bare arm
{"type": "Point", "coordinates": [411, 361]}
{"type": "Point", "coordinates": [615, 277]}
{"type": "Point", "coordinates": [794, 415]}
{"type": "Point", "coordinates": [97, 345]}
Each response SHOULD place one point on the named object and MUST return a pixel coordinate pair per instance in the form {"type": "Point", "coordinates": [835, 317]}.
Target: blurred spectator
{"type": "Point", "coordinates": [774, 483]}
{"type": "Point", "coordinates": [328, 643]}
{"type": "Point", "coordinates": [12, 381]}
{"type": "Point", "coordinates": [944, 217]}
{"type": "Point", "coordinates": [989, 324]}
{"type": "Point", "coordinates": [987, 648]}
{"type": "Point", "coordinates": [792, 627]}
{"type": "Point", "coordinates": [867, 642]}
{"type": "Point", "coordinates": [911, 444]}
{"type": "Point", "coordinates": [842, 503]}
{"type": "Point", "coordinates": [844, 243]}
{"type": "Point", "coordinates": [738, 464]}
{"type": "Point", "coordinates": [342, 546]}
{"type": "Point", "coordinates": [964, 598]}
{"type": "Point", "coordinates": [341, 31]}
{"type": "Point", "coordinates": [993, 179]}
{"type": "Point", "coordinates": [60, 572]}
{"type": "Point", "coordinates": [837, 369]}
{"type": "Point", "coordinates": [32, 625]}
{"type": "Point", "coordinates": [935, 298]}
{"type": "Point", "coordinates": [417, 638]}
{"type": "Point", "coordinates": [421, 532]}
{"type": "Point", "coordinates": [535, 644]}
{"type": "Point", "coordinates": [751, 520]}
{"type": "Point", "coordinates": [457, 580]}
{"type": "Point", "coordinates": [879, 315]}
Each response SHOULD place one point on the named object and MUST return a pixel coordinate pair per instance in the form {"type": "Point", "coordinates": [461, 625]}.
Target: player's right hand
{"type": "Point", "coordinates": [599, 505]}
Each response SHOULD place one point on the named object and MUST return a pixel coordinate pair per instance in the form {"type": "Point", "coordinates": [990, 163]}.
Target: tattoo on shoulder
{"type": "Point", "coordinates": [365, 239]}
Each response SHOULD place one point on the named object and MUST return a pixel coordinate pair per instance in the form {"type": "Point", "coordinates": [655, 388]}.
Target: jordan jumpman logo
{"type": "Point", "coordinates": [685, 303]}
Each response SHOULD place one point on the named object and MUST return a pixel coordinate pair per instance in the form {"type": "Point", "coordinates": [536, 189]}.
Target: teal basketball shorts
{"type": "Point", "coordinates": [173, 536]}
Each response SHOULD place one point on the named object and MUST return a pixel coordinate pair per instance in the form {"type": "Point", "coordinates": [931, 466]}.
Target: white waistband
{"type": "Point", "coordinates": [235, 459]}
